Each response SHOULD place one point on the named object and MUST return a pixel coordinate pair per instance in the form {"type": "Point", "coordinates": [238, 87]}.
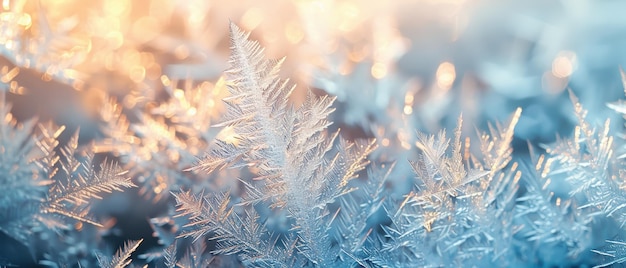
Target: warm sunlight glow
{"type": "Point", "coordinates": [408, 110]}
{"type": "Point", "coordinates": [563, 64]}
{"type": "Point", "coordinates": [446, 74]}
{"type": "Point", "coordinates": [379, 70]}
{"type": "Point", "coordinates": [252, 18]}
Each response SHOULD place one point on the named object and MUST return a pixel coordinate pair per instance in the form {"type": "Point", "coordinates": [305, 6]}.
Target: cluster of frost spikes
{"type": "Point", "coordinates": [299, 169]}
{"type": "Point", "coordinates": [459, 211]}
{"type": "Point", "coordinates": [591, 164]}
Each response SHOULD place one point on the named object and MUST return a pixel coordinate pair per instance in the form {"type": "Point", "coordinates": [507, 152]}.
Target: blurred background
{"type": "Point", "coordinates": [121, 69]}
{"type": "Point", "coordinates": [485, 57]}
{"type": "Point", "coordinates": [427, 59]}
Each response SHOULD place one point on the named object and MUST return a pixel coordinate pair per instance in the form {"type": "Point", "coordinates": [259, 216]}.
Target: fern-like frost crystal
{"type": "Point", "coordinates": [78, 182]}
{"type": "Point", "coordinates": [47, 190]}
{"type": "Point", "coordinates": [299, 168]}
{"type": "Point", "coordinates": [121, 258]}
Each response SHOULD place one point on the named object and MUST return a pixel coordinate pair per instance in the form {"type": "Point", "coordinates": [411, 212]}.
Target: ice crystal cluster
{"type": "Point", "coordinates": [168, 168]}
{"type": "Point", "coordinates": [463, 209]}
{"type": "Point", "coordinates": [50, 187]}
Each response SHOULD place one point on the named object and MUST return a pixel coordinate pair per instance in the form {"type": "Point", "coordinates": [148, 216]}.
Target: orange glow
{"type": "Point", "coordinates": [146, 28]}
{"type": "Point", "coordinates": [408, 110]}
{"type": "Point", "coordinates": [385, 142]}
{"type": "Point", "coordinates": [349, 14]}
{"type": "Point", "coordinates": [25, 21]}
{"type": "Point", "coordinates": [563, 64]}
{"type": "Point", "coordinates": [137, 73]}
{"type": "Point", "coordinates": [408, 98]}
{"type": "Point", "coordinates": [78, 226]}
{"type": "Point", "coordinates": [379, 70]}
{"type": "Point", "coordinates": [179, 93]}
{"type": "Point", "coordinates": [294, 33]}
{"type": "Point", "coordinates": [8, 75]}
{"type": "Point", "coordinates": [228, 135]}
{"type": "Point", "coordinates": [116, 8]}
{"type": "Point", "coordinates": [446, 74]}
{"type": "Point", "coordinates": [116, 39]}
{"type": "Point", "coordinates": [181, 52]}
{"type": "Point", "coordinates": [165, 80]}
{"type": "Point", "coordinates": [252, 18]}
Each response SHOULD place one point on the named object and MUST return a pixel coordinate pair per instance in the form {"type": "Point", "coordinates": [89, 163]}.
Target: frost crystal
{"type": "Point", "coordinates": [299, 168]}
{"type": "Point", "coordinates": [49, 186]}
{"type": "Point", "coordinates": [122, 256]}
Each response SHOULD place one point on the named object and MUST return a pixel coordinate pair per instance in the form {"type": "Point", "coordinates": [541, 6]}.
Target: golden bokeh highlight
{"type": "Point", "coordinates": [379, 70]}
{"type": "Point", "coordinates": [446, 74]}
{"type": "Point", "coordinates": [563, 65]}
